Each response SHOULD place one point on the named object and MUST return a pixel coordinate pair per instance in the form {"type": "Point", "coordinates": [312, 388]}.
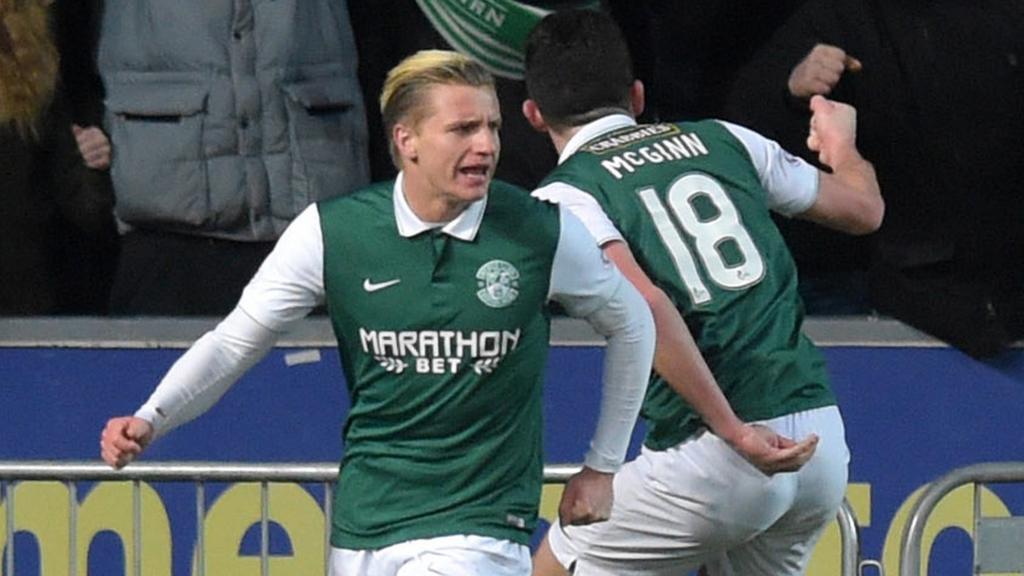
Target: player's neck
{"type": "Point", "coordinates": [560, 138]}
{"type": "Point", "coordinates": [430, 205]}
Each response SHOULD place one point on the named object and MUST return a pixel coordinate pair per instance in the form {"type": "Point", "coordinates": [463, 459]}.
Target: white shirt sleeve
{"type": "Point", "coordinates": [287, 286]}
{"type": "Point", "coordinates": [584, 206]}
{"type": "Point", "coordinates": [588, 285]}
{"type": "Point", "coordinates": [791, 183]}
{"type": "Point", "coordinates": [290, 282]}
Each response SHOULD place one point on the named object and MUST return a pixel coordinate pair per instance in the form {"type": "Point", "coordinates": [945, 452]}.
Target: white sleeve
{"type": "Point", "coordinates": [287, 286]}
{"type": "Point", "coordinates": [590, 286]}
{"type": "Point", "coordinates": [584, 206]}
{"type": "Point", "coordinates": [791, 183]}
{"type": "Point", "coordinates": [206, 371]}
{"type": "Point", "coordinates": [290, 282]}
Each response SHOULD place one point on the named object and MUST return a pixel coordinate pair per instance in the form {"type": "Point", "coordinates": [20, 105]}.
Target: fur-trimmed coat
{"type": "Point", "coordinates": [55, 214]}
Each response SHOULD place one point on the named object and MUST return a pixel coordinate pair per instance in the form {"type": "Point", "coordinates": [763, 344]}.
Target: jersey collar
{"type": "Point", "coordinates": [592, 130]}
{"type": "Point", "coordinates": [464, 226]}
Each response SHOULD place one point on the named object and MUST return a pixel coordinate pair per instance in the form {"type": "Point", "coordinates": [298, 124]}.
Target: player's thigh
{"type": "Point", "coordinates": [732, 499]}
{"type": "Point", "coordinates": [444, 556]}
{"type": "Point", "coordinates": [639, 537]}
{"type": "Point", "coordinates": [783, 550]}
{"type": "Point", "coordinates": [824, 478]}
{"type": "Point", "coordinates": [673, 508]}
{"type": "Point", "coordinates": [785, 547]}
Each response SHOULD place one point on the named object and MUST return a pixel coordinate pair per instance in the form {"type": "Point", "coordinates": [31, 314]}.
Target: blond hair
{"type": "Point", "coordinates": [28, 64]}
{"type": "Point", "coordinates": [402, 99]}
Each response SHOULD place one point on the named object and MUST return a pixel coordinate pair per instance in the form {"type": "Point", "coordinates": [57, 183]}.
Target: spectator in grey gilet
{"type": "Point", "coordinates": [227, 119]}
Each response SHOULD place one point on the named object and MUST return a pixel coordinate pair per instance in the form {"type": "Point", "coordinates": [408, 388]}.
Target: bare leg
{"type": "Point", "coordinates": [545, 563]}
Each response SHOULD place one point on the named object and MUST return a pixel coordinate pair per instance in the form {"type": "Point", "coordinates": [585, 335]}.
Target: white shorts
{"type": "Point", "coordinates": [444, 556]}
{"type": "Point", "coordinates": [700, 503]}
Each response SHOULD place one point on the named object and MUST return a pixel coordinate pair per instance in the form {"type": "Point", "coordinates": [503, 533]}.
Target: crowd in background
{"type": "Point", "coordinates": [152, 152]}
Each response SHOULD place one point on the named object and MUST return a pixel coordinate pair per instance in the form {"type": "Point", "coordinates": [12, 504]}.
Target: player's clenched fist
{"type": "Point", "coordinates": [833, 131]}
{"type": "Point", "coordinates": [123, 439]}
{"type": "Point", "coordinates": [587, 498]}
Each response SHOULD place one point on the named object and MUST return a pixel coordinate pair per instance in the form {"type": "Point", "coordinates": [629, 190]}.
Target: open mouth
{"type": "Point", "coordinates": [475, 173]}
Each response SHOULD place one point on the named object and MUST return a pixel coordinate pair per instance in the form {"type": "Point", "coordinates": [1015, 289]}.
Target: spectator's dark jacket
{"type": "Point", "coordinates": [940, 105]}
{"type": "Point", "coordinates": [51, 208]}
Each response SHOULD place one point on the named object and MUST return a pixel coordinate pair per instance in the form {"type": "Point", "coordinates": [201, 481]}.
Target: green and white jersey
{"type": "Point", "coordinates": [692, 201]}
{"type": "Point", "coordinates": [443, 343]}
{"type": "Point", "coordinates": [443, 331]}
{"type": "Point", "coordinates": [443, 335]}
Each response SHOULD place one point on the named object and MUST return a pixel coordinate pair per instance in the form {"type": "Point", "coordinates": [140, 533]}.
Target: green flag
{"type": "Point", "coordinates": [490, 31]}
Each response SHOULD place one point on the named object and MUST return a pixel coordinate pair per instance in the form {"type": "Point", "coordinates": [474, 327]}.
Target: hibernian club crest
{"type": "Point", "coordinates": [498, 282]}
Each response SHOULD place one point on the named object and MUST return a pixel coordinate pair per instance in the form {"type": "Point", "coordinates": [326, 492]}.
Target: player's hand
{"type": "Point", "coordinates": [587, 498]}
{"type": "Point", "coordinates": [123, 439]}
{"type": "Point", "coordinates": [833, 131]}
{"type": "Point", "coordinates": [772, 453]}
{"type": "Point", "coordinates": [93, 145]}
{"type": "Point", "coordinates": [820, 71]}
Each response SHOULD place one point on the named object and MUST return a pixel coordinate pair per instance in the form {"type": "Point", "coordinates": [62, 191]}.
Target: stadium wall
{"type": "Point", "coordinates": [914, 409]}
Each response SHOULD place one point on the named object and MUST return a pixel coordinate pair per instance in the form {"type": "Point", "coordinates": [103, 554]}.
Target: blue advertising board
{"type": "Point", "coordinates": [912, 411]}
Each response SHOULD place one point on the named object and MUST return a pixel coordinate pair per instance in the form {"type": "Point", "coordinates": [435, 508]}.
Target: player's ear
{"type": "Point", "coordinates": [637, 98]}
{"type": "Point", "coordinates": [533, 115]}
{"type": "Point", "coordinates": [406, 142]}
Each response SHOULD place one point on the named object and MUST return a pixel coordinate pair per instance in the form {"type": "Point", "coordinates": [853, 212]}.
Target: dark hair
{"type": "Point", "coordinates": [578, 67]}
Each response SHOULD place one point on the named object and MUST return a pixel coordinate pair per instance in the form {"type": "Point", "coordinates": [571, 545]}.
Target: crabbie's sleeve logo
{"type": "Point", "coordinates": [498, 282]}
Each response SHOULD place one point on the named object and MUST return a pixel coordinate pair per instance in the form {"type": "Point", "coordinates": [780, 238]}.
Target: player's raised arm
{"type": "Point", "coordinates": [849, 199]}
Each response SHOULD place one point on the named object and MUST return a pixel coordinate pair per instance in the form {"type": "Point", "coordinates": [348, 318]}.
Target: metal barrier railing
{"type": "Point", "coordinates": [984, 473]}
{"type": "Point", "coordinates": [201, 473]}
{"type": "Point", "coordinates": [197, 472]}
{"type": "Point", "coordinates": [849, 540]}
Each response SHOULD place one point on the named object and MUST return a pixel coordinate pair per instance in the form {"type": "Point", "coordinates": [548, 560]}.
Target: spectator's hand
{"type": "Point", "coordinates": [833, 132]}
{"type": "Point", "coordinates": [820, 71]}
{"type": "Point", "coordinates": [93, 145]}
{"type": "Point", "coordinates": [123, 439]}
{"type": "Point", "coordinates": [772, 453]}
{"type": "Point", "coordinates": [587, 498]}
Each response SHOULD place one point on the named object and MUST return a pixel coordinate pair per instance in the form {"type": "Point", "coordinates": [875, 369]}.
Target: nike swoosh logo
{"type": "Point", "coordinates": [374, 286]}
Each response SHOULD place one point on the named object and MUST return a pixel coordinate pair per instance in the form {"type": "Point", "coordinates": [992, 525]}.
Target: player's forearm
{"type": "Point", "coordinates": [862, 208]}
{"type": "Point", "coordinates": [855, 171]}
{"type": "Point", "coordinates": [678, 360]}
{"type": "Point", "coordinates": [627, 324]}
{"type": "Point", "coordinates": [206, 371]}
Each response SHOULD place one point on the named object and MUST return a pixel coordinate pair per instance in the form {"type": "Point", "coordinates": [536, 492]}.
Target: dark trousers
{"type": "Point", "coordinates": [168, 274]}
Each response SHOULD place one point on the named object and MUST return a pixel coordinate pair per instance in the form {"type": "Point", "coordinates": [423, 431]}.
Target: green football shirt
{"type": "Point", "coordinates": [443, 331]}
{"type": "Point", "coordinates": [689, 200]}
{"type": "Point", "coordinates": [443, 343]}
